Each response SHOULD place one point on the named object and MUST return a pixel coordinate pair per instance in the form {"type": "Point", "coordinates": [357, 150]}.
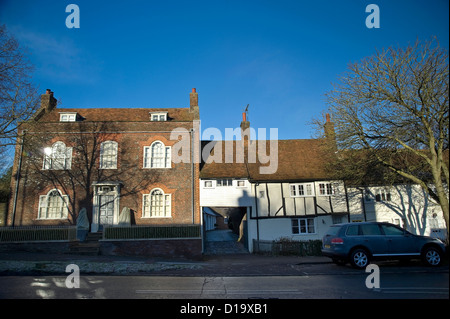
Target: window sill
{"type": "Point", "coordinates": [306, 196]}
{"type": "Point", "coordinates": [154, 217]}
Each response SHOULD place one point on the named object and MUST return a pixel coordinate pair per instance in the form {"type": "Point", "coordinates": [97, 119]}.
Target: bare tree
{"type": "Point", "coordinates": [18, 97]}
{"type": "Point", "coordinates": [393, 108]}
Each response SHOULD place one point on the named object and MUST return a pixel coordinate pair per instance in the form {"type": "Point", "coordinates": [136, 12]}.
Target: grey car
{"type": "Point", "coordinates": [359, 243]}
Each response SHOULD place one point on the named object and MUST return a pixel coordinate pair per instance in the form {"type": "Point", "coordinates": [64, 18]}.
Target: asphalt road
{"type": "Point", "coordinates": [326, 281]}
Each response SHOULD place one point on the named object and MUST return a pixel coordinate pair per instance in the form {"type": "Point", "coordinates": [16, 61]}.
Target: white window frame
{"type": "Point", "coordinates": [149, 210]}
{"type": "Point", "coordinates": [383, 195]}
{"type": "Point", "coordinates": [45, 205]}
{"type": "Point", "coordinates": [326, 189]}
{"type": "Point", "coordinates": [210, 182]}
{"type": "Point", "coordinates": [244, 184]}
{"type": "Point", "coordinates": [302, 190]}
{"type": "Point", "coordinates": [224, 182]}
{"type": "Point", "coordinates": [57, 157]}
{"type": "Point", "coordinates": [307, 223]}
{"type": "Point", "coordinates": [158, 116]}
{"type": "Point", "coordinates": [162, 161]}
{"type": "Point", "coordinates": [108, 155]}
{"type": "Point", "coordinates": [68, 117]}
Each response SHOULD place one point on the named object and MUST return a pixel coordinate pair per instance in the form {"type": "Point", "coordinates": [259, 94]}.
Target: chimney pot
{"type": "Point", "coordinates": [244, 117]}
{"type": "Point", "coordinates": [194, 90]}
{"type": "Point", "coordinates": [328, 117]}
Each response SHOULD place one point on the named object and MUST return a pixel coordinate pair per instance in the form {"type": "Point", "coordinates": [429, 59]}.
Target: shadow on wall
{"type": "Point", "coordinates": [410, 205]}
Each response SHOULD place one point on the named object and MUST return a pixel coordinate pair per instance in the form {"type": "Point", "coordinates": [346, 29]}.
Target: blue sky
{"type": "Point", "coordinates": [278, 56]}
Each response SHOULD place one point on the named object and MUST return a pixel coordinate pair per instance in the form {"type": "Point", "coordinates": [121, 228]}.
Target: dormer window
{"type": "Point", "coordinates": [68, 117]}
{"type": "Point", "coordinates": [158, 116]}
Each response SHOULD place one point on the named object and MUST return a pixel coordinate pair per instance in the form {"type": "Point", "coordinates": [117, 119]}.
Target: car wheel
{"type": "Point", "coordinates": [432, 256]}
{"type": "Point", "coordinates": [359, 258]}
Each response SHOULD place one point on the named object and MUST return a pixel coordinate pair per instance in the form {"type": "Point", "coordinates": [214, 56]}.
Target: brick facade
{"type": "Point", "coordinates": [82, 181]}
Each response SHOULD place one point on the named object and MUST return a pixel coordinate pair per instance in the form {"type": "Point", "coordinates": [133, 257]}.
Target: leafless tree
{"type": "Point", "coordinates": [18, 97]}
{"type": "Point", "coordinates": [391, 118]}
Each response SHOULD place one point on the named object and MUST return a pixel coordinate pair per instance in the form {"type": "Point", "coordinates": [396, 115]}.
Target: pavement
{"type": "Point", "coordinates": [25, 263]}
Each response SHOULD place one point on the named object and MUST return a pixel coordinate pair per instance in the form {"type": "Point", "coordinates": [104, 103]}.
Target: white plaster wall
{"type": "Point", "coordinates": [225, 196]}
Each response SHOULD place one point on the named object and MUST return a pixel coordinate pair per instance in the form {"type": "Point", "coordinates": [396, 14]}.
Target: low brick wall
{"type": "Point", "coordinates": [188, 248]}
{"type": "Point", "coordinates": [37, 247]}
{"type": "Point", "coordinates": [169, 248]}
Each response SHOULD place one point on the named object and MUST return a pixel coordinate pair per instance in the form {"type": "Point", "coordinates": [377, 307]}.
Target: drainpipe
{"type": "Point", "coordinates": [192, 175]}
{"type": "Point", "coordinates": [257, 217]}
{"type": "Point", "coordinates": [346, 200]}
{"type": "Point", "coordinates": [363, 205]}
{"type": "Point", "coordinates": [19, 168]}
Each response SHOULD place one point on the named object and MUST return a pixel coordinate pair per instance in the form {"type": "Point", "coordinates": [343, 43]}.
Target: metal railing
{"type": "Point", "coordinates": [37, 233]}
{"type": "Point", "coordinates": [151, 232]}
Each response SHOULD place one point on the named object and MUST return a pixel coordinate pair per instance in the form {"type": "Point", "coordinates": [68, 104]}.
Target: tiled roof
{"type": "Point", "coordinates": [119, 114]}
{"type": "Point", "coordinates": [298, 160]}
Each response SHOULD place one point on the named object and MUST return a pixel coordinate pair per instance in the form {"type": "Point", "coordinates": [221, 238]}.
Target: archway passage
{"type": "Point", "coordinates": [228, 236]}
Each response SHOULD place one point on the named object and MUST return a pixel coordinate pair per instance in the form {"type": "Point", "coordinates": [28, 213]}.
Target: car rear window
{"type": "Point", "coordinates": [333, 230]}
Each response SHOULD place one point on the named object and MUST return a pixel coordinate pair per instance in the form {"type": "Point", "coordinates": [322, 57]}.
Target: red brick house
{"type": "Point", "coordinates": [103, 160]}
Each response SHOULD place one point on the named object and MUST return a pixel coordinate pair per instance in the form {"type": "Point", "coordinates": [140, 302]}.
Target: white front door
{"type": "Point", "coordinates": [106, 210]}
{"type": "Point", "coordinates": [106, 205]}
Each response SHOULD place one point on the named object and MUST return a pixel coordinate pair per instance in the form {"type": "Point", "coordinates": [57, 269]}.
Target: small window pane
{"type": "Point", "coordinates": [301, 192]}
{"type": "Point", "coordinates": [295, 229]}
{"type": "Point", "coordinates": [224, 182]}
{"type": "Point", "coordinates": [310, 225]}
{"type": "Point", "coordinates": [293, 190]}
{"type": "Point", "coordinates": [322, 189]}
{"type": "Point", "coordinates": [208, 183]}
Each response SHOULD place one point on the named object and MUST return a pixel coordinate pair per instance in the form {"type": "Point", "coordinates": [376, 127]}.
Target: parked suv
{"type": "Point", "coordinates": [358, 243]}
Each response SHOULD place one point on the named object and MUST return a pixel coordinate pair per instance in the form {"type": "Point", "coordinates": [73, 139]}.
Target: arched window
{"type": "Point", "coordinates": [157, 155]}
{"type": "Point", "coordinates": [108, 155]}
{"type": "Point", "coordinates": [157, 204]}
{"type": "Point", "coordinates": [58, 156]}
{"type": "Point", "coordinates": [54, 205]}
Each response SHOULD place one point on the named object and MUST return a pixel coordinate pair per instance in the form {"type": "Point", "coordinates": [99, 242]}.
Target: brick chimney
{"type": "Point", "coordinates": [48, 102]}
{"type": "Point", "coordinates": [244, 126]}
{"type": "Point", "coordinates": [193, 99]}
